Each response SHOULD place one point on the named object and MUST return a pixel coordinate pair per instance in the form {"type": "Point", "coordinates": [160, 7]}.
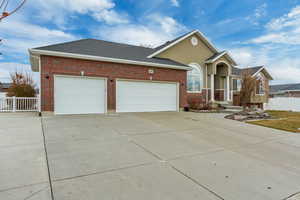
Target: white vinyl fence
{"type": "Point", "coordinates": [283, 103]}
{"type": "Point", "coordinates": [19, 104]}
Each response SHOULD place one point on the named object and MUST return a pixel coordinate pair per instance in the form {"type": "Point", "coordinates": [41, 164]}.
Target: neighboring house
{"type": "Point", "coordinates": [285, 90]}
{"type": "Point", "coordinates": [4, 88]}
{"type": "Point", "coordinates": [262, 87]}
{"type": "Point", "coordinates": [95, 76]}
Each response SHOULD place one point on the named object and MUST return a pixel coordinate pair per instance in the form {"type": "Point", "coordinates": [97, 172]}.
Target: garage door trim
{"type": "Point", "coordinates": [74, 76]}
{"type": "Point", "coordinates": [152, 81]}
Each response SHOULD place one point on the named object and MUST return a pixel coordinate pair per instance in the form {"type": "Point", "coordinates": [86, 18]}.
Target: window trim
{"type": "Point", "coordinates": [237, 88]}
{"type": "Point", "coordinates": [200, 70]}
{"type": "Point", "coordinates": [261, 83]}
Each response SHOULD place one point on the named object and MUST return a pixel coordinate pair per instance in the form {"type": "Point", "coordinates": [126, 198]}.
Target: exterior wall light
{"type": "Point", "coordinates": [151, 71]}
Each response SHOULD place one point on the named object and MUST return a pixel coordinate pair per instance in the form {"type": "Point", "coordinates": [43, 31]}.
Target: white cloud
{"type": "Point", "coordinates": [59, 11]}
{"type": "Point", "coordinates": [243, 56]}
{"type": "Point", "coordinates": [18, 36]}
{"type": "Point", "coordinates": [153, 31]}
{"type": "Point", "coordinates": [282, 30]}
{"type": "Point", "coordinates": [259, 12]}
{"type": "Point", "coordinates": [133, 34]}
{"type": "Point", "coordinates": [175, 3]}
{"type": "Point", "coordinates": [286, 71]}
{"type": "Point", "coordinates": [292, 38]}
{"type": "Point", "coordinates": [292, 19]}
{"type": "Point", "coordinates": [167, 24]}
{"type": "Point", "coordinates": [111, 17]}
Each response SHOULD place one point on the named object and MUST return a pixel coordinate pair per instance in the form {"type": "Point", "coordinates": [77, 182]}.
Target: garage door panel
{"type": "Point", "coordinates": [79, 95]}
{"type": "Point", "coordinates": [135, 96]}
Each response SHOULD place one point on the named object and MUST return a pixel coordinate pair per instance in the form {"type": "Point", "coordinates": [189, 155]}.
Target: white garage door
{"type": "Point", "coordinates": [137, 96]}
{"type": "Point", "coordinates": [79, 95]}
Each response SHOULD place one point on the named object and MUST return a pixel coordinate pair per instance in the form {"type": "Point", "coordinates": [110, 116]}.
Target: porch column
{"type": "Point", "coordinates": [212, 87]}
{"type": "Point", "coordinates": [228, 88]}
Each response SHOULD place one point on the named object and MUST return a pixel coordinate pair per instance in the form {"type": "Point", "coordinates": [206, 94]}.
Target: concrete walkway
{"type": "Point", "coordinates": [145, 156]}
{"type": "Point", "coordinates": [23, 168]}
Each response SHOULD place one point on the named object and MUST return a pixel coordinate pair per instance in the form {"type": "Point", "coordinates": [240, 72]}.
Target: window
{"type": "Point", "coordinates": [260, 87]}
{"type": "Point", "coordinates": [194, 78]}
{"type": "Point", "coordinates": [239, 84]}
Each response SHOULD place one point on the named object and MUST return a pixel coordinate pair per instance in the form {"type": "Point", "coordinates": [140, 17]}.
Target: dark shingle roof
{"type": "Point", "coordinates": [216, 55]}
{"type": "Point", "coordinates": [284, 87]}
{"type": "Point", "coordinates": [236, 71]}
{"type": "Point", "coordinates": [252, 70]}
{"type": "Point", "coordinates": [100, 48]}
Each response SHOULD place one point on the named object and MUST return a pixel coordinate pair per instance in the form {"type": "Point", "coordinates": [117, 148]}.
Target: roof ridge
{"type": "Point", "coordinates": [132, 45]}
{"type": "Point", "coordinates": [251, 67]}
{"type": "Point", "coordinates": [111, 42]}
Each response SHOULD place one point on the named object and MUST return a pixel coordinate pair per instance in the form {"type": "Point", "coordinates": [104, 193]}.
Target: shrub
{"type": "Point", "coordinates": [22, 85]}
{"type": "Point", "coordinates": [196, 104]}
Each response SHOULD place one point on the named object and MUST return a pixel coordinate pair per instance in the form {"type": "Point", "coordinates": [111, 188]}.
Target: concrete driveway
{"type": "Point", "coordinates": [165, 156]}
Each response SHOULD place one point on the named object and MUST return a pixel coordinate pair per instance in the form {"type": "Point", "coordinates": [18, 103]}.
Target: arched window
{"type": "Point", "coordinates": [194, 78]}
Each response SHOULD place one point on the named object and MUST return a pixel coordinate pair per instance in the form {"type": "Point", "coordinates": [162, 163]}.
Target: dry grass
{"type": "Point", "coordinates": [283, 120]}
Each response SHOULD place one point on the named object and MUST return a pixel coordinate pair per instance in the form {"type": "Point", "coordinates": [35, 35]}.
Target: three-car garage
{"type": "Point", "coordinates": [88, 95]}
{"type": "Point", "coordinates": [94, 77]}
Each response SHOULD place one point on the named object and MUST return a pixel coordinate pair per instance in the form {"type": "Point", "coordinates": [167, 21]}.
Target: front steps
{"type": "Point", "coordinates": [229, 108]}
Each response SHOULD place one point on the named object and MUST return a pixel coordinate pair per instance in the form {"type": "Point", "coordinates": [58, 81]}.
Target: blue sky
{"type": "Point", "coordinates": [255, 32]}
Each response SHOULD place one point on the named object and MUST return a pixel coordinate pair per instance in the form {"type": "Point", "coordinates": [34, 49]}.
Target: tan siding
{"type": "Point", "coordinates": [184, 52]}
{"type": "Point", "coordinates": [262, 98]}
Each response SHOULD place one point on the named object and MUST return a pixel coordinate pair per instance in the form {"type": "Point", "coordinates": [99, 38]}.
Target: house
{"type": "Point", "coordinates": [261, 94]}
{"type": "Point", "coordinates": [285, 90]}
{"type": "Point", "coordinates": [4, 88]}
{"type": "Point", "coordinates": [95, 76]}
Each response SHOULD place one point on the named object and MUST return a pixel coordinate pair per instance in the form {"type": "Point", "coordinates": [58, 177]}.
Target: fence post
{"type": "Point", "coordinates": [14, 104]}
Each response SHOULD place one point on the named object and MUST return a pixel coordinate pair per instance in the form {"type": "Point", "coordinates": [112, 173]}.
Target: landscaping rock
{"type": "Point", "coordinates": [246, 115]}
{"type": "Point", "coordinates": [239, 117]}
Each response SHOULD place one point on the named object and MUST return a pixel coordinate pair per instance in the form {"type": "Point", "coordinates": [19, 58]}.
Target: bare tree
{"type": "Point", "coordinates": [248, 86]}
{"type": "Point", "coordinates": [4, 8]}
{"type": "Point", "coordinates": [5, 11]}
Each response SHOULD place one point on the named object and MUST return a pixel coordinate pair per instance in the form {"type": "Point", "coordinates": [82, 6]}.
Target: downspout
{"type": "Point", "coordinates": [40, 87]}
{"type": "Point", "coordinates": [206, 93]}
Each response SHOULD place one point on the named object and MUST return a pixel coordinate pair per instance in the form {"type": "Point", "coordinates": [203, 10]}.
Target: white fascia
{"type": "Point", "coordinates": [35, 52]}
{"type": "Point", "coordinates": [216, 58]}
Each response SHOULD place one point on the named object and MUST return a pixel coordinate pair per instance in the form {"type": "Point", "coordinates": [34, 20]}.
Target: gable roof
{"type": "Point", "coordinates": [252, 70]}
{"type": "Point", "coordinates": [218, 55]}
{"type": "Point", "coordinates": [284, 87]}
{"type": "Point", "coordinates": [107, 51]}
{"type": "Point", "coordinates": [215, 57]}
{"type": "Point", "coordinates": [171, 43]}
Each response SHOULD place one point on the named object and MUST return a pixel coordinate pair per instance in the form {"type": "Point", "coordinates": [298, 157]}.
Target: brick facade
{"type": "Point", "coordinates": [198, 99]}
{"type": "Point", "coordinates": [219, 95]}
{"type": "Point", "coordinates": [51, 66]}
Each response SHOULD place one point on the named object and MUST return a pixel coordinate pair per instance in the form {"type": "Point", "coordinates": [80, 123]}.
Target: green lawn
{"type": "Point", "coordinates": [283, 120]}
